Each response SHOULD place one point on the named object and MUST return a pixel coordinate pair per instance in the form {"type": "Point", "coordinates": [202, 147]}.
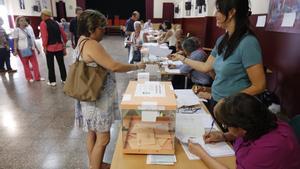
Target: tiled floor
{"type": "Point", "coordinates": [37, 121]}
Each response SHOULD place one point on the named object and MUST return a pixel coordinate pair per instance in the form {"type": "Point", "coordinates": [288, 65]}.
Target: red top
{"type": "Point", "coordinates": [53, 47]}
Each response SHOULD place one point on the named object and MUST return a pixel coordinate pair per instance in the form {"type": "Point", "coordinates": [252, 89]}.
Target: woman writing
{"type": "Point", "coordinates": [260, 139]}
{"type": "Point", "coordinates": [169, 37]}
{"type": "Point", "coordinates": [98, 115]}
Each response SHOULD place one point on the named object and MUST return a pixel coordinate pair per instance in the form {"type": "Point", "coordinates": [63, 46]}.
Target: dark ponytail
{"type": "Point", "coordinates": [242, 26]}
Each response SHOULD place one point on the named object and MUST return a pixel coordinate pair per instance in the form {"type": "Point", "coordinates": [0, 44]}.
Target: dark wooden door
{"type": "Point", "coordinates": [168, 11]}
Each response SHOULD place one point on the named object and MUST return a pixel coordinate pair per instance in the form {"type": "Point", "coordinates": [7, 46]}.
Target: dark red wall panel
{"type": "Point", "coordinates": [81, 3]}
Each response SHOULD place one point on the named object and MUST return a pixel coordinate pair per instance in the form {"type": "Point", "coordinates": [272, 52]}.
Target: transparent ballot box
{"type": "Point", "coordinates": [148, 110]}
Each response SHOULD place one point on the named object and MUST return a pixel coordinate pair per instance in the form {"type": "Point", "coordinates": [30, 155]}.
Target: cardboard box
{"type": "Point", "coordinates": [148, 110]}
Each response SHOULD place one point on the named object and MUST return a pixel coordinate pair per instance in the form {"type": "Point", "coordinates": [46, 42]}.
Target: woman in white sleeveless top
{"type": "Point", "coordinates": [169, 37]}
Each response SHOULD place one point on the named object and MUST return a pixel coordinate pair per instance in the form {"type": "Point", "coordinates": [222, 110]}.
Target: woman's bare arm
{"type": "Point", "coordinates": [94, 51]}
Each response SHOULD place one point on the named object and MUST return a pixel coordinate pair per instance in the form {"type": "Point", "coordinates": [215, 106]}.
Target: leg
{"type": "Point", "coordinates": [7, 59]}
{"type": "Point", "coordinates": [25, 62]}
{"type": "Point", "coordinates": [61, 64]}
{"type": "Point", "coordinates": [90, 142]}
{"type": "Point", "coordinates": [102, 139]}
{"type": "Point", "coordinates": [50, 65]}
{"type": "Point", "coordinates": [35, 66]}
{"type": "Point", "coordinates": [2, 58]}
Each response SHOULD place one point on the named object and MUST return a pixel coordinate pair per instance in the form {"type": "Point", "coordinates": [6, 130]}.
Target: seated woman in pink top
{"type": "Point", "coordinates": [260, 140]}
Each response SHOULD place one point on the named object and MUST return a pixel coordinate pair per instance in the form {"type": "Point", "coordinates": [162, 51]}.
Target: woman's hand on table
{"type": "Point", "coordinates": [195, 148]}
{"type": "Point", "coordinates": [213, 137]}
{"type": "Point", "coordinates": [204, 95]}
{"type": "Point", "coordinates": [171, 66]}
{"type": "Point", "coordinates": [141, 65]}
{"type": "Point", "coordinates": [175, 57]}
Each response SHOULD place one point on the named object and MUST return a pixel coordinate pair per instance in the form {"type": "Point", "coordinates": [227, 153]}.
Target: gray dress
{"type": "Point", "coordinates": [99, 115]}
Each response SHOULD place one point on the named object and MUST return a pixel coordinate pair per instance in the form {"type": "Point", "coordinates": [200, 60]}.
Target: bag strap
{"type": "Point", "coordinates": [29, 40]}
{"type": "Point", "coordinates": [81, 49]}
{"type": "Point", "coordinates": [27, 34]}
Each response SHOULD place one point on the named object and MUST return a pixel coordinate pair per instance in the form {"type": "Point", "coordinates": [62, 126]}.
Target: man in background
{"type": "Point", "coordinates": [73, 27]}
{"type": "Point", "coordinates": [130, 26]}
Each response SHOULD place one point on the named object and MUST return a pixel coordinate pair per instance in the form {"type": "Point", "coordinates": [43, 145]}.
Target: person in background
{"type": "Point", "coordinates": [136, 41]}
{"type": "Point", "coordinates": [260, 139]}
{"type": "Point", "coordinates": [74, 39]}
{"type": "Point", "coordinates": [24, 39]}
{"type": "Point", "coordinates": [4, 50]}
{"type": "Point", "coordinates": [148, 25]}
{"type": "Point", "coordinates": [135, 16]}
{"type": "Point", "coordinates": [98, 115]}
{"type": "Point", "coordinates": [193, 51]}
{"type": "Point", "coordinates": [129, 27]}
{"type": "Point", "coordinates": [179, 39]}
{"type": "Point", "coordinates": [54, 40]}
{"type": "Point", "coordinates": [73, 27]}
{"type": "Point", "coordinates": [64, 24]}
{"type": "Point", "coordinates": [169, 37]}
{"type": "Point", "coordinates": [29, 25]}
{"type": "Point", "coordinates": [236, 58]}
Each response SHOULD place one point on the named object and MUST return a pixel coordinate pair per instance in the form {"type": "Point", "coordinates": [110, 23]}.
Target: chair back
{"type": "Point", "coordinates": [295, 123]}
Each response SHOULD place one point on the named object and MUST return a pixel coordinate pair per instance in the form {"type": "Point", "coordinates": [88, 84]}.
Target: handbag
{"type": "Point", "coordinates": [25, 52]}
{"type": "Point", "coordinates": [84, 82]}
{"type": "Point", "coordinates": [28, 51]}
{"type": "Point", "coordinates": [136, 56]}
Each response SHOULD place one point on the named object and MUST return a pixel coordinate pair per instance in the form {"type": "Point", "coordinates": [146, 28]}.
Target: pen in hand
{"type": "Point", "coordinates": [211, 127]}
{"type": "Point", "coordinates": [207, 135]}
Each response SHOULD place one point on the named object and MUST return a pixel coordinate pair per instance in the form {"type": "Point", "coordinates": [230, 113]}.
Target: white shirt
{"type": "Point", "coordinates": [135, 41]}
{"type": "Point", "coordinates": [148, 25]}
{"type": "Point", "coordinates": [172, 39]}
{"type": "Point", "coordinates": [22, 37]}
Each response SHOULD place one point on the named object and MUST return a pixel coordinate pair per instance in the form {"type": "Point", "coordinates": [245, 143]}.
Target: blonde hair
{"type": "Point", "coordinates": [136, 24]}
{"type": "Point", "coordinates": [18, 20]}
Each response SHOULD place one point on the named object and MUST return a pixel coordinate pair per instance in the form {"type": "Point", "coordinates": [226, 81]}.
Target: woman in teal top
{"type": "Point", "coordinates": [236, 57]}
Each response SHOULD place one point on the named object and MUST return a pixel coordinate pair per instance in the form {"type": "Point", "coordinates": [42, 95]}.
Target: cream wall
{"type": "Point", "coordinates": [158, 7]}
{"type": "Point", "coordinates": [260, 6]}
{"type": "Point", "coordinates": [13, 7]}
{"type": "Point", "coordinates": [257, 7]}
{"type": "Point", "coordinates": [70, 8]}
{"type": "Point", "coordinates": [194, 12]}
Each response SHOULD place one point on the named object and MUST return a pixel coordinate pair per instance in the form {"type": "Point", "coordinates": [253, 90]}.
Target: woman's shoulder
{"type": "Point", "coordinates": [170, 32]}
{"type": "Point", "coordinates": [16, 31]}
{"type": "Point", "coordinates": [220, 39]}
{"type": "Point", "coordinates": [278, 137]}
{"type": "Point", "coordinates": [249, 40]}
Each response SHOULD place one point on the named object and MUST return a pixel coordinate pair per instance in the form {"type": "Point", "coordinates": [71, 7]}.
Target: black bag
{"type": "Point", "coordinates": [268, 97]}
{"type": "Point", "coordinates": [126, 45]}
{"type": "Point", "coordinates": [136, 56]}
